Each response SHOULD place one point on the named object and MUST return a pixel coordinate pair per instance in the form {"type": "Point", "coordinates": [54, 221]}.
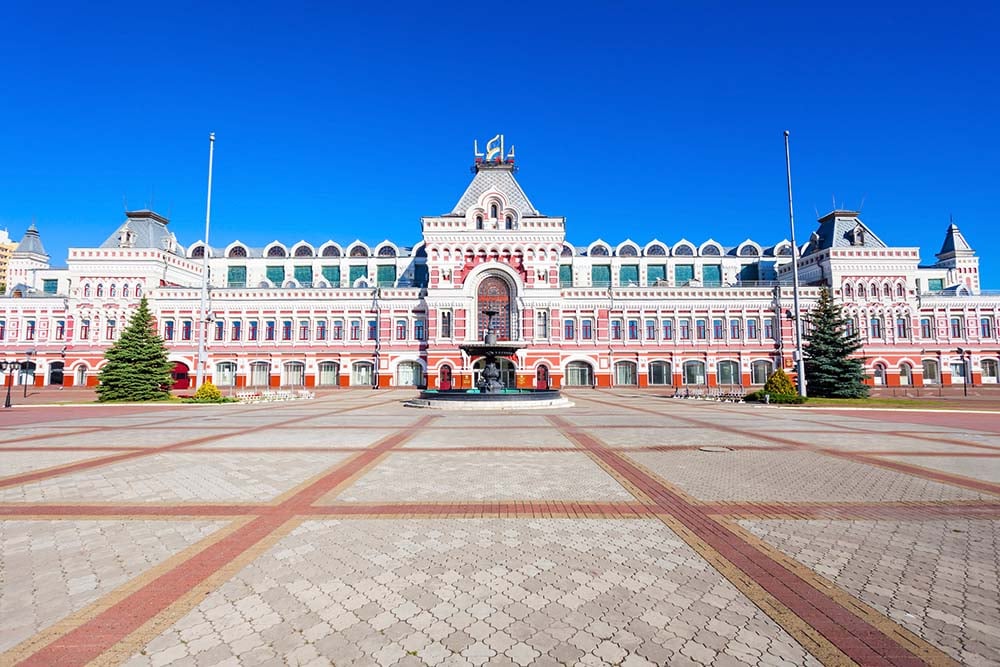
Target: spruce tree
{"type": "Point", "coordinates": [137, 368]}
{"type": "Point", "coordinates": [832, 370]}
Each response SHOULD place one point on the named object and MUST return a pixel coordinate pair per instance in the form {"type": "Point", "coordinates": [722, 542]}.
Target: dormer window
{"type": "Point", "coordinates": [479, 222]}
{"type": "Point", "coordinates": [509, 222]}
{"type": "Point", "coordinates": [858, 236]}
{"type": "Point", "coordinates": [494, 211]}
{"type": "Point", "coordinates": [126, 239]}
{"type": "Point", "coordinates": [198, 252]}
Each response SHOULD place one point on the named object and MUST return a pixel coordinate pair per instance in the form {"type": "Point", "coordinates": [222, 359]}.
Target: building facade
{"type": "Point", "coordinates": [693, 315]}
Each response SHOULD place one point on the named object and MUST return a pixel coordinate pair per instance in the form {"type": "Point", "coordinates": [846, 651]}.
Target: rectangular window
{"type": "Point", "coordinates": [565, 275]}
{"type": "Point", "coordinates": [956, 327]}
{"type": "Point", "coordinates": [269, 330]}
{"type": "Point", "coordinates": [542, 324]}
{"type": "Point", "coordinates": [29, 330]}
{"type": "Point", "coordinates": [331, 274]}
{"type": "Point", "coordinates": [711, 275]}
{"type": "Point", "coordinates": [734, 330]}
{"type": "Point", "coordinates": [749, 274]}
{"type": "Point", "coordinates": [650, 329]}
{"type": "Point", "coordinates": [685, 328]}
{"type": "Point", "coordinates": [701, 329]}
{"type": "Point", "coordinates": [935, 284]}
{"type": "Point", "coordinates": [600, 275]}
{"type": "Point", "coordinates": [902, 330]}
{"type": "Point", "coordinates": [168, 330]}
{"type": "Point", "coordinates": [109, 332]}
{"type": "Point", "coordinates": [569, 330]}
{"type": "Point", "coordinates": [321, 330]}
{"type": "Point", "coordinates": [401, 328]}
{"type": "Point", "coordinates": [220, 330]}
{"type": "Point", "coordinates": [304, 329]}
{"type": "Point", "coordinates": [338, 330]}
{"type": "Point", "coordinates": [420, 275]}
{"type": "Point", "coordinates": [656, 274]}
{"type": "Point", "coordinates": [633, 329]}
{"type": "Point", "coordinates": [60, 329]}
{"type": "Point", "coordinates": [587, 329]}
{"type": "Point", "coordinates": [852, 326]}
{"type": "Point", "coordinates": [769, 328]}
{"type": "Point", "coordinates": [668, 329]}
{"type": "Point", "coordinates": [253, 332]}
{"type": "Point", "coordinates": [446, 324]}
{"type": "Point", "coordinates": [355, 329]}
{"type": "Point", "coordinates": [84, 329]}
{"type": "Point", "coordinates": [50, 285]}
{"type": "Point", "coordinates": [236, 331]}
{"type": "Point", "coordinates": [3, 330]}
{"type": "Point", "coordinates": [876, 327]}
{"type": "Point", "coordinates": [186, 330]}
{"type": "Point", "coordinates": [276, 274]}
{"type": "Point", "coordinates": [925, 328]}
{"type": "Point", "coordinates": [718, 329]}
{"type": "Point", "coordinates": [616, 329]}
{"type": "Point", "coordinates": [236, 276]}
{"type": "Point", "coordinates": [304, 276]}
{"type": "Point", "coordinates": [986, 327]}
{"type": "Point", "coordinates": [372, 330]}
{"type": "Point", "coordinates": [419, 330]}
{"type": "Point", "coordinates": [752, 328]}
{"type": "Point", "coordinates": [683, 274]}
{"type": "Point", "coordinates": [356, 272]}
{"type": "Point", "coordinates": [286, 329]}
{"type": "Point", "coordinates": [386, 275]}
{"type": "Point", "coordinates": [628, 275]}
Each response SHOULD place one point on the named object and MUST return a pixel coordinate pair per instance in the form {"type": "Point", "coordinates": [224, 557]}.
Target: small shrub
{"type": "Point", "coordinates": [208, 393]}
{"type": "Point", "coordinates": [779, 384]}
{"type": "Point", "coordinates": [761, 397]}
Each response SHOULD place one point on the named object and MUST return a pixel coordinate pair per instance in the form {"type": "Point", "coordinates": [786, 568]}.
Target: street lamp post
{"type": "Point", "coordinates": [25, 365]}
{"type": "Point", "coordinates": [202, 312]}
{"type": "Point", "coordinates": [10, 367]}
{"type": "Point", "coordinates": [965, 370]}
{"type": "Point", "coordinates": [800, 365]}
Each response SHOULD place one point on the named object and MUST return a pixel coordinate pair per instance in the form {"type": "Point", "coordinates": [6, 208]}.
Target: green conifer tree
{"type": "Point", "coordinates": [832, 370]}
{"type": "Point", "coordinates": [137, 368]}
{"type": "Point", "coordinates": [779, 383]}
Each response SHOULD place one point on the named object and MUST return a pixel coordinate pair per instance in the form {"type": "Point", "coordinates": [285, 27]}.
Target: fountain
{"type": "Point", "coordinates": [490, 392]}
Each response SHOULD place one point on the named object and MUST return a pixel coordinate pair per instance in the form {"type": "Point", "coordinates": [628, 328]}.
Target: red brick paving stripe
{"type": "Point", "coordinates": [96, 636]}
{"type": "Point", "coordinates": [858, 639]}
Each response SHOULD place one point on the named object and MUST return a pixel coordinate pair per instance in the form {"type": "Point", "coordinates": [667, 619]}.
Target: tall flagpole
{"type": "Point", "coordinates": [797, 318]}
{"type": "Point", "coordinates": [203, 312]}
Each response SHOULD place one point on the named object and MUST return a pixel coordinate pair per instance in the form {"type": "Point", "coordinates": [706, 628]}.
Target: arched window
{"type": "Point", "coordinates": [900, 290]}
{"type": "Point", "coordinates": [579, 374]}
{"type": "Point", "coordinates": [409, 374]}
{"type": "Point", "coordinates": [785, 251]}
{"type": "Point", "coordinates": [509, 222]}
{"type": "Point", "coordinates": [656, 250]}
{"type": "Point", "coordinates": [694, 372]}
{"type": "Point", "coordinates": [712, 250]}
{"type": "Point", "coordinates": [932, 373]}
{"type": "Point", "coordinates": [331, 251]}
{"type": "Point", "coordinates": [329, 374]}
{"type": "Point", "coordinates": [294, 375]}
{"type": "Point", "coordinates": [113, 290]}
{"type": "Point", "coordinates": [599, 251]}
{"type": "Point", "coordinates": [628, 251]}
{"type": "Point", "coordinates": [362, 374]}
{"type": "Point", "coordinates": [260, 374]}
{"type": "Point", "coordinates": [494, 211]}
{"type": "Point", "coordinates": [989, 367]}
{"type": "Point", "coordinates": [878, 374]}
{"type": "Point", "coordinates": [905, 374]}
{"type": "Point", "coordinates": [225, 374]}
{"type": "Point", "coordinates": [848, 290]}
{"type": "Point", "coordinates": [728, 372]}
{"type": "Point", "coordinates": [303, 251]}
{"type": "Point", "coordinates": [625, 373]}
{"type": "Point", "coordinates": [567, 251]}
{"type": "Point", "coordinates": [862, 292]}
{"type": "Point", "coordinates": [198, 252]}
{"type": "Point", "coordinates": [125, 291]}
{"type": "Point", "coordinates": [749, 251]}
{"type": "Point", "coordinates": [100, 290]}
{"type": "Point", "coordinates": [387, 251]}
{"type": "Point", "coordinates": [86, 291]}
{"type": "Point", "coordinates": [276, 251]}
{"type": "Point", "coordinates": [684, 251]}
{"type": "Point", "coordinates": [237, 251]}
{"type": "Point", "coordinates": [138, 291]}
{"type": "Point", "coordinates": [494, 295]}
{"type": "Point", "coordinates": [886, 290]}
{"type": "Point", "coordinates": [760, 371]}
{"type": "Point", "coordinates": [479, 222]}
{"type": "Point", "coordinates": [359, 251]}
{"type": "Point", "coordinates": [660, 373]}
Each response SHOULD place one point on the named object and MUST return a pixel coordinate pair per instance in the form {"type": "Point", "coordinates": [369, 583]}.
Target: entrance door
{"type": "Point", "coordinates": [56, 373]}
{"type": "Point", "coordinates": [409, 374]}
{"type": "Point", "coordinates": [444, 378]}
{"type": "Point", "coordinates": [494, 294]}
{"type": "Point", "coordinates": [542, 377]}
{"type": "Point", "coordinates": [180, 375]}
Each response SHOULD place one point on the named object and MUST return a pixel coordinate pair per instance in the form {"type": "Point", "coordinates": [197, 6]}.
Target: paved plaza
{"type": "Point", "coordinates": [630, 529]}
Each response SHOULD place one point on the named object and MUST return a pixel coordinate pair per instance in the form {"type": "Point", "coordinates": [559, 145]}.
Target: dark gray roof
{"type": "Point", "coordinates": [149, 230]}
{"type": "Point", "coordinates": [954, 243]}
{"type": "Point", "coordinates": [837, 230]}
{"type": "Point", "coordinates": [31, 243]}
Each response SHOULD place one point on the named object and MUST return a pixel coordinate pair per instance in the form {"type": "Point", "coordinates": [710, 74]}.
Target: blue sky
{"type": "Point", "coordinates": [343, 121]}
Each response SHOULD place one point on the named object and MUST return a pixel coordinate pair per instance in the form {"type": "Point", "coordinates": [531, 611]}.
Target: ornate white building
{"type": "Point", "coordinates": [679, 312]}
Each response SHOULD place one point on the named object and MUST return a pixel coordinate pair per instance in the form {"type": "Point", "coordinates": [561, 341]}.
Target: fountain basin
{"type": "Point", "coordinates": [473, 399]}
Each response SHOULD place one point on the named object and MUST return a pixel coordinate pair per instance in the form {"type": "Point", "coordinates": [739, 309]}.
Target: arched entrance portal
{"type": "Point", "coordinates": [542, 377]}
{"type": "Point", "coordinates": [444, 378]}
{"type": "Point", "coordinates": [494, 294]}
{"type": "Point", "coordinates": [409, 374]}
{"type": "Point", "coordinates": [507, 372]}
{"type": "Point", "coordinates": [56, 373]}
{"type": "Point", "coordinates": [180, 375]}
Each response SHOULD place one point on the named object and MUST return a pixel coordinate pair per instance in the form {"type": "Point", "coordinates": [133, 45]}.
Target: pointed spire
{"type": "Point", "coordinates": [31, 243]}
{"type": "Point", "coordinates": [954, 243]}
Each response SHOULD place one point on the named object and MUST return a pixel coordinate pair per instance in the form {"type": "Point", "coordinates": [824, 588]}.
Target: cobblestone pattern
{"type": "Point", "coordinates": [689, 436]}
{"type": "Point", "coordinates": [540, 592]}
{"type": "Point", "coordinates": [421, 476]}
{"type": "Point", "coordinates": [976, 467]}
{"type": "Point", "coordinates": [50, 569]}
{"type": "Point", "coordinates": [790, 476]}
{"type": "Point", "coordinates": [177, 477]}
{"type": "Point", "coordinates": [311, 438]}
{"type": "Point", "coordinates": [938, 579]}
{"type": "Point", "coordinates": [444, 438]}
{"type": "Point", "coordinates": [17, 462]}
